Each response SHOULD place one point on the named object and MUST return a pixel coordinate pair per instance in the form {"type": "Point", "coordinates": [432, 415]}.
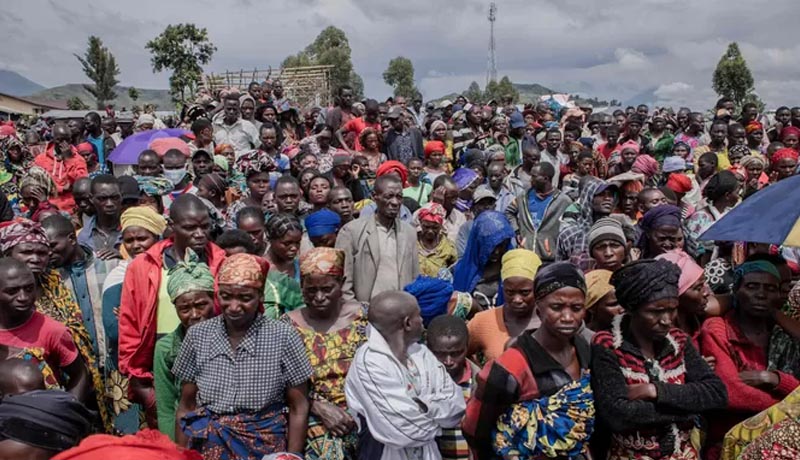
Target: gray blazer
{"type": "Point", "coordinates": [359, 240]}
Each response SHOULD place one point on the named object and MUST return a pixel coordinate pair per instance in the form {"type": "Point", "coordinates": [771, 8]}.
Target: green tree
{"type": "Point", "coordinates": [75, 103]}
{"type": "Point", "coordinates": [181, 48]}
{"type": "Point", "coordinates": [491, 92]}
{"type": "Point", "coordinates": [732, 78]}
{"type": "Point", "coordinates": [331, 47]}
{"type": "Point", "coordinates": [400, 76]}
{"type": "Point", "coordinates": [473, 93]}
{"type": "Point", "coordinates": [99, 66]}
{"type": "Point", "coordinates": [506, 89]}
{"type": "Point", "coordinates": [133, 93]}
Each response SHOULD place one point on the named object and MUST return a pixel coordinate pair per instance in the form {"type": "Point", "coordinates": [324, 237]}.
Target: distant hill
{"type": "Point", "coordinates": [14, 84]}
{"type": "Point", "coordinates": [159, 97]}
{"type": "Point", "coordinates": [647, 97]}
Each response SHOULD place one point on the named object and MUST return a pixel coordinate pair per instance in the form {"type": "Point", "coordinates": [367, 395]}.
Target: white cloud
{"type": "Point", "coordinates": [630, 59]}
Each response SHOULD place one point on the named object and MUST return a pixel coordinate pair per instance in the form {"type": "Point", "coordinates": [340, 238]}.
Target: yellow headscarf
{"type": "Point", "coordinates": [597, 286]}
{"type": "Point", "coordinates": [145, 217]}
{"type": "Point", "coordinates": [520, 262]}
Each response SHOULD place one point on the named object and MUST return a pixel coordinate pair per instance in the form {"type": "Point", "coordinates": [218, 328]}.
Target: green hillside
{"type": "Point", "coordinates": [159, 97]}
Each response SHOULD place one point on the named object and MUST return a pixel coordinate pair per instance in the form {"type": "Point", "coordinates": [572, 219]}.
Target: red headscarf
{"type": "Point", "coordinates": [753, 126]}
{"type": "Point", "coordinates": [84, 147]}
{"type": "Point", "coordinates": [785, 152]}
{"type": "Point", "coordinates": [646, 165]}
{"type": "Point", "coordinates": [679, 183]}
{"type": "Point", "coordinates": [434, 146]}
{"type": "Point", "coordinates": [432, 212]}
{"type": "Point", "coordinates": [790, 130]}
{"type": "Point", "coordinates": [391, 166]}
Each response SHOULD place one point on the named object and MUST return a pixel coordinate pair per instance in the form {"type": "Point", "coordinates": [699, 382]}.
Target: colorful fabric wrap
{"type": "Point", "coordinates": [154, 185]}
{"type": "Point", "coordinates": [144, 445]}
{"type": "Point", "coordinates": [236, 437]}
{"type": "Point", "coordinates": [145, 217]}
{"type": "Point", "coordinates": [433, 296]}
{"type": "Point", "coordinates": [434, 146]}
{"type": "Point", "coordinates": [674, 164]}
{"type": "Point", "coordinates": [322, 261]}
{"type": "Point", "coordinates": [556, 426]}
{"type": "Point", "coordinates": [322, 222]}
{"type": "Point", "coordinates": [221, 162]}
{"type": "Point", "coordinates": [646, 165]}
{"type": "Point", "coordinates": [20, 231]}
{"type": "Point", "coordinates": [189, 275]}
{"type": "Point", "coordinates": [464, 177]}
{"type": "Point", "coordinates": [679, 183]}
{"type": "Point", "coordinates": [756, 266]}
{"type": "Point", "coordinates": [520, 262]}
{"type": "Point", "coordinates": [243, 270]}
{"type": "Point", "coordinates": [553, 277]}
{"type": "Point", "coordinates": [254, 162]}
{"type": "Point", "coordinates": [431, 212]}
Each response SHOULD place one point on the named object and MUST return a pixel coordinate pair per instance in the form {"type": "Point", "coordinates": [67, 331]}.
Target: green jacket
{"type": "Point", "coordinates": [167, 386]}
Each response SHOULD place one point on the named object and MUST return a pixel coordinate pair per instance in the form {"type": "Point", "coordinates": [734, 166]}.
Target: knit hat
{"type": "Point", "coordinates": [606, 228]}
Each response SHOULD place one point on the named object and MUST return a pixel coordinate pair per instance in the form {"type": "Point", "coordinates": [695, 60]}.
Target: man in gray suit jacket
{"type": "Point", "coordinates": [380, 249]}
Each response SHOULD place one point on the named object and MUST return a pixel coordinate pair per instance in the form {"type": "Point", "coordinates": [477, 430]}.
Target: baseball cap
{"type": "Point", "coordinates": [483, 192]}
{"type": "Point", "coordinates": [516, 121]}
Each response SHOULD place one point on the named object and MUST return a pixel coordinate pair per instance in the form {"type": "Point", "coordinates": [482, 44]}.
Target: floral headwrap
{"type": "Point", "coordinates": [243, 270]}
{"type": "Point", "coordinates": [322, 261]}
{"type": "Point", "coordinates": [154, 185]}
{"type": "Point", "coordinates": [20, 231]}
{"type": "Point", "coordinates": [431, 212]}
{"type": "Point", "coordinates": [254, 162]}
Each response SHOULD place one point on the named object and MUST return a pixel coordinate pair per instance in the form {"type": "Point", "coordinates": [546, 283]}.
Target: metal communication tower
{"type": "Point", "coordinates": [491, 70]}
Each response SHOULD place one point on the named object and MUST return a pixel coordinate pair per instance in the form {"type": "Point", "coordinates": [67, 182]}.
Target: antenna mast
{"type": "Point", "coordinates": [491, 70]}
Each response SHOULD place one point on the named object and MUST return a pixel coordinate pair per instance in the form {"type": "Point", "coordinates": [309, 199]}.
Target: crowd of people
{"type": "Point", "coordinates": [396, 280]}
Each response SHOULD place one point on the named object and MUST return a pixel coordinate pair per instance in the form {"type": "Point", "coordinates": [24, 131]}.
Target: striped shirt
{"type": "Point", "coordinates": [452, 444]}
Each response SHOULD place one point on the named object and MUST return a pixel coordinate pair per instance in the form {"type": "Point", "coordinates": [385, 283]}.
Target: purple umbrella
{"type": "Point", "coordinates": [127, 152]}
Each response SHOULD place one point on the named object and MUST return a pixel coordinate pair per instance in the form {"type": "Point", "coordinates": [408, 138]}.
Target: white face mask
{"type": "Point", "coordinates": [175, 175]}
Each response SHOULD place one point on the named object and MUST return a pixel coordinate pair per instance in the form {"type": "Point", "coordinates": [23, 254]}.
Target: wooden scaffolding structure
{"type": "Point", "coordinates": [305, 86]}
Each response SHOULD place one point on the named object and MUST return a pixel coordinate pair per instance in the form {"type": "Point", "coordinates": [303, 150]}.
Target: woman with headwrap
{"type": "Point", "coordinates": [265, 409]}
{"type": "Point", "coordinates": [213, 188]}
{"type": "Point", "coordinates": [694, 295]}
{"type": "Point", "coordinates": [190, 287]}
{"type": "Point", "coordinates": [647, 165]}
{"type": "Point", "coordinates": [755, 137]}
{"type": "Point", "coordinates": [601, 303]}
{"type": "Point", "coordinates": [721, 194]}
{"type": "Point", "coordinates": [439, 132]}
{"type": "Point", "coordinates": [434, 153]}
{"type": "Point", "coordinates": [755, 178]}
{"type": "Point", "coordinates": [141, 228]}
{"type": "Point", "coordinates": [790, 137]}
{"type": "Point", "coordinates": [739, 342]}
{"type": "Point", "coordinates": [478, 271]}
{"type": "Point", "coordinates": [534, 401]}
{"type": "Point", "coordinates": [27, 242]}
{"type": "Point", "coordinates": [783, 163]}
{"type": "Point", "coordinates": [247, 107]}
{"type": "Point", "coordinates": [16, 156]}
{"type": "Point", "coordinates": [491, 330]}
{"type": "Point", "coordinates": [36, 188]}
{"type": "Point", "coordinates": [436, 251]}
{"type": "Point", "coordinates": [40, 424]}
{"type": "Point", "coordinates": [255, 166]}
{"type": "Point", "coordinates": [467, 181]}
{"type": "Point", "coordinates": [332, 329]}
{"type": "Point", "coordinates": [661, 231]}
{"type": "Point", "coordinates": [623, 160]}
{"type": "Point", "coordinates": [649, 381]}
{"type": "Point", "coordinates": [154, 192]}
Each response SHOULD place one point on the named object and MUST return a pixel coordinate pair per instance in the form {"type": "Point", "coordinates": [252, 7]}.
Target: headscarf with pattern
{"type": "Point", "coordinates": [189, 275]}
{"type": "Point", "coordinates": [243, 270]}
{"type": "Point", "coordinates": [254, 162]}
{"type": "Point", "coordinates": [20, 231]}
{"type": "Point", "coordinates": [322, 261]}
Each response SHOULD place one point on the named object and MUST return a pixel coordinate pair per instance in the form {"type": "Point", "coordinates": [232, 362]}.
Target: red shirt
{"type": "Point", "coordinates": [721, 338]}
{"type": "Point", "coordinates": [64, 173]}
{"type": "Point", "coordinates": [48, 335]}
{"type": "Point", "coordinates": [356, 126]}
{"type": "Point", "coordinates": [606, 150]}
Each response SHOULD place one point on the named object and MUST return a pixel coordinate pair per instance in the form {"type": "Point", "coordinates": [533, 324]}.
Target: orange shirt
{"type": "Point", "coordinates": [488, 334]}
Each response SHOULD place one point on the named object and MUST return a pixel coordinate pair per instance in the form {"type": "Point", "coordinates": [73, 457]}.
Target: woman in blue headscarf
{"type": "Point", "coordinates": [478, 271]}
{"type": "Point", "coordinates": [467, 180]}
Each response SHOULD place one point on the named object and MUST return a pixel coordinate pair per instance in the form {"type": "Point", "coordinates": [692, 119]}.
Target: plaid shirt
{"type": "Point", "coordinates": [452, 444]}
{"type": "Point", "coordinates": [270, 358]}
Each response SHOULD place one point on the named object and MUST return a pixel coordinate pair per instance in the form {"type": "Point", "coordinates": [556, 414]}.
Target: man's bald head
{"type": "Point", "coordinates": [82, 185]}
{"type": "Point", "coordinates": [396, 312]}
{"type": "Point", "coordinates": [186, 204]}
{"type": "Point", "coordinates": [61, 131]}
{"type": "Point", "coordinates": [19, 376]}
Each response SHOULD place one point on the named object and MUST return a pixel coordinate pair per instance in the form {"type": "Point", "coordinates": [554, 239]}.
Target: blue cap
{"type": "Point", "coordinates": [516, 121]}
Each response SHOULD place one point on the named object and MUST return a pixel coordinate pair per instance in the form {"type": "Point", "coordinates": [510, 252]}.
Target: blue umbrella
{"type": "Point", "coordinates": [769, 216]}
{"type": "Point", "coordinates": [127, 152]}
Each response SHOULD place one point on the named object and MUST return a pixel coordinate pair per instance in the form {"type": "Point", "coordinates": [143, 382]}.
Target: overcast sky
{"type": "Point", "coordinates": [610, 49]}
